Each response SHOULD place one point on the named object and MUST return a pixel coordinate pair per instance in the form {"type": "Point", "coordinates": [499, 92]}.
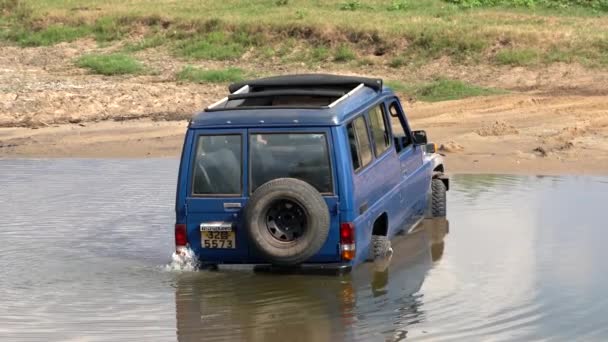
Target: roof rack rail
{"type": "Point", "coordinates": [307, 81]}
{"type": "Point", "coordinates": [286, 92]}
{"type": "Point", "coordinates": [243, 89]}
{"type": "Point", "coordinates": [331, 87]}
{"type": "Point", "coordinates": [331, 105]}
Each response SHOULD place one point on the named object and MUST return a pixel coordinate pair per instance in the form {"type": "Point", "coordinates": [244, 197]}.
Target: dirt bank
{"type": "Point", "coordinates": [555, 120]}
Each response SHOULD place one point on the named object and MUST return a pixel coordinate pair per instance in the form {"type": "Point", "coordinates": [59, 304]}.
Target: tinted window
{"type": "Point", "coordinates": [360, 148]}
{"type": "Point", "coordinates": [354, 149]}
{"type": "Point", "coordinates": [365, 149]}
{"type": "Point", "coordinates": [217, 166]}
{"type": "Point", "coordinates": [379, 130]}
{"type": "Point", "coordinates": [296, 155]}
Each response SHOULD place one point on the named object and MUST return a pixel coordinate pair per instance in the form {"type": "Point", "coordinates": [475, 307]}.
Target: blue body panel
{"type": "Point", "coordinates": [394, 184]}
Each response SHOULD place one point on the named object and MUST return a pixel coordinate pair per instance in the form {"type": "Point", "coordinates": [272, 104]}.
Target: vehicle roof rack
{"type": "Point", "coordinates": [306, 91]}
{"type": "Point", "coordinates": [286, 92]}
{"type": "Point", "coordinates": [308, 81]}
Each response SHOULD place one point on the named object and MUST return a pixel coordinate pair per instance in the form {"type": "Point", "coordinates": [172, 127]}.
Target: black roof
{"type": "Point", "coordinates": [308, 81]}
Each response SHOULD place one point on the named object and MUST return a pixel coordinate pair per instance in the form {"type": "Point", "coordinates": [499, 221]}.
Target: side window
{"type": "Point", "coordinates": [354, 149]}
{"type": "Point", "coordinates": [380, 132]}
{"type": "Point", "coordinates": [398, 124]}
{"type": "Point", "coordinates": [358, 139]}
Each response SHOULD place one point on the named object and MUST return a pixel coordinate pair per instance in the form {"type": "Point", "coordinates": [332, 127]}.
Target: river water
{"type": "Point", "coordinates": [85, 249]}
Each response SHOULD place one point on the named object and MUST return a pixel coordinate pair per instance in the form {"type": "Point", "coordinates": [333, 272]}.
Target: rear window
{"type": "Point", "coordinates": [217, 166]}
{"type": "Point", "coordinates": [295, 155]}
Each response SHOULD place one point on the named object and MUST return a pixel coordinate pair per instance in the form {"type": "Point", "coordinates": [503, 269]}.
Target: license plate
{"type": "Point", "coordinates": [217, 235]}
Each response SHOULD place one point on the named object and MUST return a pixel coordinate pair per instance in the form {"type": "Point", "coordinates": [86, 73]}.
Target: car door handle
{"type": "Point", "coordinates": [232, 206]}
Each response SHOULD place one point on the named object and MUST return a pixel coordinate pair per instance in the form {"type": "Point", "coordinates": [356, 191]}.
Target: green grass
{"type": "Point", "coordinates": [344, 54]}
{"type": "Point", "coordinates": [466, 31]}
{"type": "Point", "coordinates": [145, 43]}
{"type": "Point", "coordinates": [48, 36]}
{"type": "Point", "coordinates": [442, 89]}
{"type": "Point", "coordinates": [113, 64]}
{"type": "Point", "coordinates": [196, 75]}
{"type": "Point", "coordinates": [518, 57]}
{"type": "Point", "coordinates": [214, 46]}
{"type": "Point", "coordinates": [397, 62]}
{"type": "Point", "coordinates": [319, 53]}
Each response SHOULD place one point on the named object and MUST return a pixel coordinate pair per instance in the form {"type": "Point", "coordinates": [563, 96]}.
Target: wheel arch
{"type": "Point", "coordinates": [438, 173]}
{"type": "Point", "coordinates": [380, 226]}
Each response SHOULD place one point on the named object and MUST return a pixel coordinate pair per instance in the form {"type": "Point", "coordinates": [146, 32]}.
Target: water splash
{"type": "Point", "coordinates": [183, 260]}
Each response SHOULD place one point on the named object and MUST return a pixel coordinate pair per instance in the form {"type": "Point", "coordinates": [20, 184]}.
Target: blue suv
{"type": "Point", "coordinates": [309, 171]}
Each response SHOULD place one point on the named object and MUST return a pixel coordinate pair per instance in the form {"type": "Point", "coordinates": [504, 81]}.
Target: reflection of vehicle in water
{"type": "Point", "coordinates": [379, 299]}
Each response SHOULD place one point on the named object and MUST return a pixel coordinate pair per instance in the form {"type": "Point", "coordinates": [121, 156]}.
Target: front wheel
{"type": "Point", "coordinates": [438, 198]}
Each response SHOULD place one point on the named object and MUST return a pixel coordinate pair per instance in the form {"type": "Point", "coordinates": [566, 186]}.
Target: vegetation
{"type": "Point", "coordinates": [145, 43]}
{"type": "Point", "coordinates": [192, 74]}
{"type": "Point", "coordinates": [113, 64]}
{"type": "Point", "coordinates": [344, 54]}
{"type": "Point", "coordinates": [215, 46]}
{"type": "Point", "coordinates": [598, 5]}
{"type": "Point", "coordinates": [466, 31]}
{"type": "Point", "coordinates": [518, 57]}
{"type": "Point", "coordinates": [393, 33]}
{"type": "Point", "coordinates": [442, 89]}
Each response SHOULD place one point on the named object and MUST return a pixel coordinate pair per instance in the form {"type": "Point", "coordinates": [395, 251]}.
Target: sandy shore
{"type": "Point", "coordinates": [554, 121]}
{"type": "Point", "coordinates": [521, 134]}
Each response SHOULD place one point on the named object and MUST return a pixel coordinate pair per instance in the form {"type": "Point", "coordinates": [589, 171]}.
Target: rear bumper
{"type": "Point", "coordinates": [330, 268]}
{"type": "Point", "coordinates": [335, 268]}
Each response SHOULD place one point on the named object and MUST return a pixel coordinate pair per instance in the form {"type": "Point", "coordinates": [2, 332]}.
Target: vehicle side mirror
{"type": "Point", "coordinates": [419, 137]}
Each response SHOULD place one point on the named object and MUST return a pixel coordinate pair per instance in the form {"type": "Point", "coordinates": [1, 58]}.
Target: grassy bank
{"type": "Point", "coordinates": [402, 32]}
{"type": "Point", "coordinates": [393, 34]}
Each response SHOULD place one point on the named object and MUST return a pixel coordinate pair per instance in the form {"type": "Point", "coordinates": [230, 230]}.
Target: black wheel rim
{"type": "Point", "coordinates": [286, 220]}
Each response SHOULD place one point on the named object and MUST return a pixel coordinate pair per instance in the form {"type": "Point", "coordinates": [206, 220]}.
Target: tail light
{"type": "Point", "coordinates": [181, 239]}
{"type": "Point", "coordinates": [347, 241]}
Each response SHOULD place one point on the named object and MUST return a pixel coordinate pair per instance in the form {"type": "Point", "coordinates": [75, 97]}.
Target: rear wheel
{"type": "Point", "coordinates": [438, 198]}
{"type": "Point", "coordinates": [381, 247]}
{"type": "Point", "coordinates": [288, 220]}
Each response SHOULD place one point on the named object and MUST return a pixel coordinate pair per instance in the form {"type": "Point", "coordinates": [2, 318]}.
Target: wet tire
{"type": "Point", "coordinates": [381, 247]}
{"type": "Point", "coordinates": [287, 220]}
{"type": "Point", "coordinates": [438, 198]}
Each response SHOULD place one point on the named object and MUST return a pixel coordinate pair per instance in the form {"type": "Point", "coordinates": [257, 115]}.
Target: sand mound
{"type": "Point", "coordinates": [451, 147]}
{"type": "Point", "coordinates": [497, 128]}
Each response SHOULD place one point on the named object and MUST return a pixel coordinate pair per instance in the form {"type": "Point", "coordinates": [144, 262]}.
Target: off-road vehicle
{"type": "Point", "coordinates": [304, 171]}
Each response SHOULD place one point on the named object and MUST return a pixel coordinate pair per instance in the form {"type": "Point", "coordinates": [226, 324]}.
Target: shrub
{"type": "Point", "coordinates": [320, 53]}
{"type": "Point", "coordinates": [400, 5]}
{"type": "Point", "coordinates": [344, 54]}
{"type": "Point", "coordinates": [351, 5]}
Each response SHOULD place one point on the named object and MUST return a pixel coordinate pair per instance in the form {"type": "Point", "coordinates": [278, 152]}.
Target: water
{"type": "Point", "coordinates": [84, 248]}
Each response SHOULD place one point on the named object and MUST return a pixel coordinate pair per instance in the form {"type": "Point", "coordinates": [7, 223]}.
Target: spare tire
{"type": "Point", "coordinates": [287, 220]}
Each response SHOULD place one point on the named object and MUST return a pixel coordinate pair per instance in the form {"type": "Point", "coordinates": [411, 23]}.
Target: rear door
{"type": "Point", "coordinates": [302, 153]}
{"type": "Point", "coordinates": [215, 199]}
{"type": "Point", "coordinates": [410, 158]}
